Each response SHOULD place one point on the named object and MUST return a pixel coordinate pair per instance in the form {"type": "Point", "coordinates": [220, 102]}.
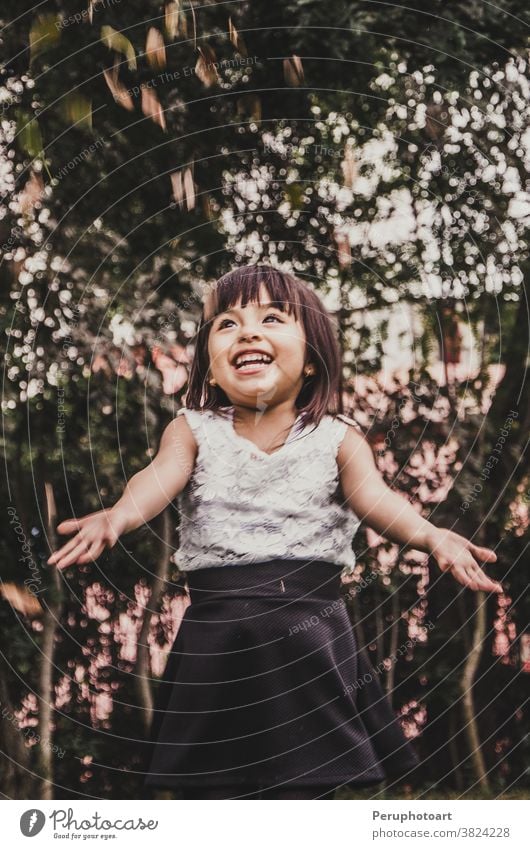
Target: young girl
{"type": "Point", "coordinates": [264, 693]}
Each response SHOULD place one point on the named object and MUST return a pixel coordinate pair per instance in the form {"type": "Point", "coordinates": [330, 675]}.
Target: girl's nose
{"type": "Point", "coordinates": [250, 333]}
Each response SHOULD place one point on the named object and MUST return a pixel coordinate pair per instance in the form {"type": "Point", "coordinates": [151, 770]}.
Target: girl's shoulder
{"type": "Point", "coordinates": [199, 420]}
{"type": "Point", "coordinates": [341, 418]}
{"type": "Point", "coordinates": [335, 429]}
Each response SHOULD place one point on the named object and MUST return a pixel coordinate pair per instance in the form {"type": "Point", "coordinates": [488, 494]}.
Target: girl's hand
{"type": "Point", "coordinates": [456, 554]}
{"type": "Point", "coordinates": [95, 532]}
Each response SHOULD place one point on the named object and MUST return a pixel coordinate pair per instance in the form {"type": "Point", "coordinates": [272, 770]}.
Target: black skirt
{"type": "Point", "coordinates": [265, 686]}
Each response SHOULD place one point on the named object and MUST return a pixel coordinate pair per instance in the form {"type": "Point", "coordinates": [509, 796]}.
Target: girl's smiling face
{"type": "Point", "coordinates": [272, 341]}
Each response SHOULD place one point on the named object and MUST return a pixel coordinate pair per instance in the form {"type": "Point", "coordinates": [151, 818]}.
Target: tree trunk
{"type": "Point", "coordinates": [394, 637]}
{"type": "Point", "coordinates": [380, 626]}
{"type": "Point", "coordinates": [455, 757]}
{"type": "Point", "coordinates": [15, 773]}
{"type": "Point", "coordinates": [466, 685]}
{"type": "Point", "coordinates": [143, 663]}
{"type": "Point", "coordinates": [46, 695]}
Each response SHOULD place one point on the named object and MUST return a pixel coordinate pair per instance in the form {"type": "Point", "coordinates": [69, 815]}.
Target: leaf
{"type": "Point", "coordinates": [294, 193]}
{"type": "Point", "coordinates": [21, 599]}
{"type": "Point", "coordinates": [349, 167]}
{"type": "Point", "coordinates": [31, 193]}
{"type": "Point", "coordinates": [172, 18]}
{"type": "Point", "coordinates": [207, 208]}
{"type": "Point", "coordinates": [183, 188]}
{"type": "Point", "coordinates": [183, 24]}
{"type": "Point", "coordinates": [44, 34]}
{"type": "Point", "coordinates": [343, 250]}
{"type": "Point", "coordinates": [115, 40]}
{"type": "Point", "coordinates": [151, 106]}
{"type": "Point", "coordinates": [436, 120]}
{"type": "Point", "coordinates": [189, 189]}
{"type": "Point", "coordinates": [194, 25]}
{"type": "Point", "coordinates": [293, 71]}
{"type": "Point", "coordinates": [250, 105]}
{"type": "Point", "coordinates": [155, 49]}
{"type": "Point", "coordinates": [236, 39]}
{"type": "Point", "coordinates": [78, 109]}
{"type": "Point", "coordinates": [206, 66]}
{"type": "Point", "coordinates": [120, 94]}
{"type": "Point", "coordinates": [29, 137]}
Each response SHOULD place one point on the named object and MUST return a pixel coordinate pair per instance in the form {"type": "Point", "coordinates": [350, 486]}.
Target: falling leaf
{"type": "Point", "coordinates": [194, 20]}
{"type": "Point", "coordinates": [100, 363]}
{"type": "Point", "coordinates": [236, 39]}
{"type": "Point", "coordinates": [294, 193]}
{"type": "Point", "coordinates": [178, 189]}
{"type": "Point", "coordinates": [206, 66]}
{"type": "Point", "coordinates": [183, 188]}
{"type": "Point", "coordinates": [78, 110]}
{"type": "Point", "coordinates": [21, 599]}
{"type": "Point", "coordinates": [349, 167]}
{"type": "Point", "coordinates": [293, 71]}
{"type": "Point", "coordinates": [436, 120]}
{"type": "Point", "coordinates": [119, 92]}
{"type": "Point", "coordinates": [31, 193]}
{"type": "Point", "coordinates": [189, 189]}
{"type": "Point", "coordinates": [180, 354]}
{"type": "Point", "coordinates": [174, 375]}
{"type": "Point", "coordinates": [207, 209]}
{"type": "Point", "coordinates": [29, 137]}
{"type": "Point", "coordinates": [343, 249]}
{"type": "Point", "coordinates": [250, 105]}
{"type": "Point", "coordinates": [115, 40]}
{"type": "Point", "coordinates": [155, 49]}
{"type": "Point", "coordinates": [44, 34]}
{"type": "Point", "coordinates": [151, 106]}
{"type": "Point", "coordinates": [172, 18]}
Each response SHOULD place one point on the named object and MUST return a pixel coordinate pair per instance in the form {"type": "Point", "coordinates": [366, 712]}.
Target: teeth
{"type": "Point", "coordinates": [252, 358]}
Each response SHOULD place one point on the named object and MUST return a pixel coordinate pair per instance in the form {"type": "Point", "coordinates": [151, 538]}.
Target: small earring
{"type": "Point", "coordinates": [212, 381]}
{"type": "Point", "coordinates": [309, 370]}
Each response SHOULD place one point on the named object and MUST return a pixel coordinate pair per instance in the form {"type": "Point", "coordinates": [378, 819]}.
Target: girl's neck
{"type": "Point", "coordinates": [265, 426]}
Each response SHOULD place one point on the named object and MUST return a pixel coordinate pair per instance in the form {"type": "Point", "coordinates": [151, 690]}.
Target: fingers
{"type": "Point", "coordinates": [73, 556]}
{"type": "Point", "coordinates": [92, 554]}
{"type": "Point", "coordinates": [69, 526]}
{"type": "Point", "coordinates": [66, 549]}
{"type": "Point", "coordinates": [474, 578]}
{"type": "Point", "coordinates": [486, 555]}
{"type": "Point", "coordinates": [480, 577]}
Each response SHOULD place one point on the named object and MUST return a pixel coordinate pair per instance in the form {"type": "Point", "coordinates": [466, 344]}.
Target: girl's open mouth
{"type": "Point", "coordinates": [252, 363]}
{"type": "Point", "coordinates": [251, 368]}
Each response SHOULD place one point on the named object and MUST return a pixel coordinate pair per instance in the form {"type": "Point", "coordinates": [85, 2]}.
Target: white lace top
{"type": "Point", "coordinates": [244, 505]}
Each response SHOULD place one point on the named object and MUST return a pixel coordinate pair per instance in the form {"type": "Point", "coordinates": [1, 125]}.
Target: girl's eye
{"type": "Point", "coordinates": [223, 322]}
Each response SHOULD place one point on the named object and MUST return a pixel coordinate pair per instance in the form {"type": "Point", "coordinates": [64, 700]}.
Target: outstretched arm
{"type": "Point", "coordinates": [391, 515]}
{"type": "Point", "coordinates": [145, 496]}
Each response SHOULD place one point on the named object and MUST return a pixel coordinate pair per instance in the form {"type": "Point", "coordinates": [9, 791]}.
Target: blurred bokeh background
{"type": "Point", "coordinates": [381, 152]}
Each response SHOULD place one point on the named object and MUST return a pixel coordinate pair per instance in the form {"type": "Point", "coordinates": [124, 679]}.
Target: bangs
{"type": "Point", "coordinates": [243, 285]}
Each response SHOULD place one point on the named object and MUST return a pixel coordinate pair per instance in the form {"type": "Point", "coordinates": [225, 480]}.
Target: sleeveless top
{"type": "Point", "coordinates": [242, 505]}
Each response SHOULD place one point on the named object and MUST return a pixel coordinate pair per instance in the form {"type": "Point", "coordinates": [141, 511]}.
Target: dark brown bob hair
{"type": "Point", "coordinates": [322, 391]}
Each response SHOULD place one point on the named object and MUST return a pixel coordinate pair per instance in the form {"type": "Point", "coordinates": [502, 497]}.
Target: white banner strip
{"type": "Point", "coordinates": [308, 824]}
